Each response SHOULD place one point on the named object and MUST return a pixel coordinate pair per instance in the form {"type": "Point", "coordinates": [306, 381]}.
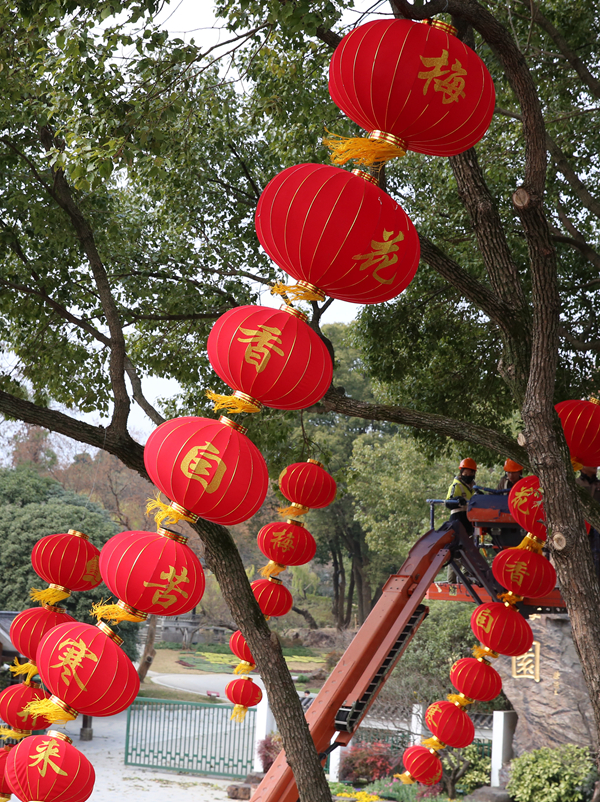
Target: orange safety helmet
{"type": "Point", "coordinates": [468, 463]}
{"type": "Point", "coordinates": [511, 466]}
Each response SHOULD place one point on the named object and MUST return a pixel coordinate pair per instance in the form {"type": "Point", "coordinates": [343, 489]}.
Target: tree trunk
{"type": "Point", "coordinates": [339, 585]}
{"type": "Point", "coordinates": [349, 600]}
{"type": "Point", "coordinates": [309, 619]}
{"type": "Point", "coordinates": [149, 650]}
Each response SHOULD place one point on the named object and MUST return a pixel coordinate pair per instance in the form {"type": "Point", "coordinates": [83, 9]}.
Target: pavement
{"type": "Point", "coordinates": [198, 683]}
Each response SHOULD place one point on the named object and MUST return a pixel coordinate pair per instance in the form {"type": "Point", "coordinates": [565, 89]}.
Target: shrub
{"type": "Point", "coordinates": [430, 791]}
{"type": "Point", "coordinates": [564, 774]}
{"type": "Point", "coordinates": [368, 761]}
{"type": "Point", "coordinates": [268, 749]}
{"type": "Point", "coordinates": [392, 788]}
{"type": "Point", "coordinates": [479, 772]}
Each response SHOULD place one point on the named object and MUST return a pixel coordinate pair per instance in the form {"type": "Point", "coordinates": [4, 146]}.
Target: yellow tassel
{"type": "Point", "coordinates": [459, 699]}
{"type": "Point", "coordinates": [271, 569]}
{"type": "Point", "coordinates": [297, 292]}
{"type": "Point", "coordinates": [510, 598]}
{"type": "Point", "coordinates": [48, 710]}
{"type": "Point", "coordinates": [531, 543]}
{"type": "Point", "coordinates": [166, 513]}
{"type": "Point", "coordinates": [30, 669]}
{"type": "Point", "coordinates": [239, 713]}
{"type": "Point", "coordinates": [244, 668]}
{"type": "Point", "coordinates": [577, 466]}
{"type": "Point", "coordinates": [293, 511]}
{"type": "Point", "coordinates": [405, 778]}
{"type": "Point", "coordinates": [433, 743]}
{"type": "Point", "coordinates": [361, 150]}
{"type": "Point", "coordinates": [232, 403]}
{"type": "Point", "coordinates": [114, 613]}
{"type": "Point", "coordinates": [16, 736]}
{"type": "Point", "coordinates": [483, 651]}
{"type": "Point", "coordinates": [49, 595]}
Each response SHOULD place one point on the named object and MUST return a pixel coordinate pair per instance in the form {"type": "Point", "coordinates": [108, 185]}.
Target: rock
{"type": "Point", "coordinates": [487, 794]}
{"type": "Point", "coordinates": [321, 638]}
{"type": "Point", "coordinates": [557, 709]}
{"type": "Point", "coordinates": [241, 791]}
{"type": "Point", "coordinates": [254, 778]}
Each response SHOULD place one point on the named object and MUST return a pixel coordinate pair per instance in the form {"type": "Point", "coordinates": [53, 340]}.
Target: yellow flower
{"type": "Point", "coordinates": [362, 796]}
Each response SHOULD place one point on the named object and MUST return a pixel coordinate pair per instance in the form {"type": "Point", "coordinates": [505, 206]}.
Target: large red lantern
{"type": "Point", "coordinates": [450, 724]}
{"type": "Point", "coordinates": [268, 356]}
{"type": "Point", "coordinates": [208, 468]}
{"type": "Point", "coordinates": [581, 425]}
{"type": "Point", "coordinates": [273, 598]}
{"type": "Point", "coordinates": [5, 789]}
{"type": "Point", "coordinates": [501, 628]}
{"type": "Point", "coordinates": [413, 86]}
{"type": "Point", "coordinates": [27, 630]}
{"type": "Point", "coordinates": [48, 768]}
{"type": "Point", "coordinates": [526, 505]}
{"type": "Point", "coordinates": [151, 574]}
{"type": "Point", "coordinates": [86, 671]}
{"type": "Point", "coordinates": [524, 573]}
{"type": "Point", "coordinates": [476, 679]}
{"type": "Point", "coordinates": [243, 693]}
{"type": "Point", "coordinates": [422, 765]}
{"type": "Point", "coordinates": [337, 234]}
{"type": "Point", "coordinates": [307, 485]}
{"type": "Point", "coordinates": [285, 544]}
{"type": "Point", "coordinates": [12, 701]}
{"type": "Point", "coordinates": [67, 562]}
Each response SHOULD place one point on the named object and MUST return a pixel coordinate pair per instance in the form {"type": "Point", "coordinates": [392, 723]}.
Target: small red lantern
{"type": "Point", "coordinates": [151, 574]}
{"type": "Point", "coordinates": [307, 485]}
{"type": "Point", "coordinates": [273, 598]}
{"type": "Point", "coordinates": [67, 562]}
{"type": "Point", "coordinates": [238, 645]}
{"type": "Point", "coordinates": [413, 86]}
{"type": "Point", "coordinates": [581, 425]}
{"type": "Point", "coordinates": [476, 679]}
{"type": "Point", "coordinates": [12, 701]}
{"type": "Point", "coordinates": [27, 630]}
{"type": "Point", "coordinates": [86, 671]}
{"type": "Point", "coordinates": [422, 765]}
{"type": "Point", "coordinates": [450, 724]}
{"type": "Point", "coordinates": [501, 628]}
{"type": "Point", "coordinates": [48, 768]}
{"type": "Point", "coordinates": [268, 356]}
{"type": "Point", "coordinates": [5, 789]}
{"type": "Point", "coordinates": [243, 693]}
{"type": "Point", "coordinates": [285, 544]}
{"type": "Point", "coordinates": [337, 234]}
{"type": "Point", "coordinates": [208, 468]}
{"type": "Point", "coordinates": [526, 505]}
{"type": "Point", "coordinates": [524, 573]}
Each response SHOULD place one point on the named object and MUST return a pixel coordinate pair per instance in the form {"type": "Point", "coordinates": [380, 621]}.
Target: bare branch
{"type": "Point", "coordinates": [138, 395]}
{"type": "Point", "coordinates": [579, 345]}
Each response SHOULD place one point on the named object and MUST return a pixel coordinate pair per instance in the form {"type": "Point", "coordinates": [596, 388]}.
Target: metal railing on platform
{"type": "Point", "coordinates": [189, 737]}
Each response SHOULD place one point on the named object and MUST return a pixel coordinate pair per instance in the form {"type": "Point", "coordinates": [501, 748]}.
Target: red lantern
{"type": "Point", "coordinates": [48, 768]}
{"type": "Point", "coordinates": [86, 671]}
{"type": "Point", "coordinates": [12, 701]}
{"type": "Point", "coordinates": [413, 85]}
{"type": "Point", "coordinates": [422, 765]}
{"type": "Point", "coordinates": [268, 356]}
{"type": "Point", "coordinates": [581, 425]}
{"type": "Point", "coordinates": [337, 233]}
{"type": "Point", "coordinates": [150, 573]}
{"type": "Point", "coordinates": [273, 598]}
{"type": "Point", "coordinates": [29, 627]}
{"type": "Point", "coordinates": [238, 645]}
{"type": "Point", "coordinates": [243, 693]}
{"type": "Point", "coordinates": [501, 628]}
{"type": "Point", "coordinates": [285, 544]}
{"type": "Point", "coordinates": [524, 573]}
{"type": "Point", "coordinates": [526, 505]}
{"type": "Point", "coordinates": [67, 562]}
{"type": "Point", "coordinates": [450, 724]}
{"type": "Point", "coordinates": [209, 469]}
{"type": "Point", "coordinates": [5, 789]}
{"type": "Point", "coordinates": [307, 485]}
{"type": "Point", "coordinates": [476, 679]}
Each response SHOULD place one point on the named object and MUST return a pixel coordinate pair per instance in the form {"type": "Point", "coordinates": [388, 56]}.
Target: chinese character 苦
{"type": "Point", "coordinates": [446, 79]}
{"type": "Point", "coordinates": [165, 595]}
{"type": "Point", "coordinates": [198, 463]}
{"type": "Point", "coordinates": [383, 255]}
{"type": "Point", "coordinates": [72, 658]}
{"type": "Point", "coordinates": [45, 752]}
{"type": "Point", "coordinates": [261, 344]}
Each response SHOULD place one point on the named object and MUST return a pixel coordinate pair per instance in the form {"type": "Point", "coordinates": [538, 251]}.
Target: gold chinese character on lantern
{"type": "Point", "coordinates": [527, 666]}
{"type": "Point", "coordinates": [92, 570]}
{"type": "Point", "coordinates": [45, 752]}
{"type": "Point", "coordinates": [165, 595]}
{"type": "Point", "coordinates": [446, 79]}
{"type": "Point", "coordinates": [200, 461]}
{"type": "Point", "coordinates": [283, 539]}
{"type": "Point", "coordinates": [261, 344]}
{"type": "Point", "coordinates": [383, 255]}
{"type": "Point", "coordinates": [484, 620]}
{"type": "Point", "coordinates": [521, 496]}
{"type": "Point", "coordinates": [518, 571]}
{"type": "Point", "coordinates": [72, 659]}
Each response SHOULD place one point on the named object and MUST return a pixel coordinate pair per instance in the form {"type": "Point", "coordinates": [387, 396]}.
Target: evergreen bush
{"type": "Point", "coordinates": [564, 774]}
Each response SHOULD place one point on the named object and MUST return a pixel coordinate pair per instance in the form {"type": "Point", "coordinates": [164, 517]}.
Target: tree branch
{"type": "Point", "coordinates": [138, 395]}
{"type": "Point", "coordinates": [329, 37]}
{"type": "Point", "coordinates": [579, 345]}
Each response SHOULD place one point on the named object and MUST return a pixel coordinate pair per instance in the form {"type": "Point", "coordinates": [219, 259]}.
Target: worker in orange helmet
{"type": "Point", "coordinates": [461, 489]}
{"type": "Point", "coordinates": [512, 473]}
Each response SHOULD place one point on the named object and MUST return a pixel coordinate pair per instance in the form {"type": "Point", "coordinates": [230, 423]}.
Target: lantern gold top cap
{"type": "Point", "coordinates": [233, 425]}
{"type": "Point", "coordinates": [109, 632]}
{"type": "Point", "coordinates": [294, 312]}
{"type": "Point", "coordinates": [315, 462]}
{"type": "Point", "coordinates": [366, 176]}
{"type": "Point", "coordinates": [442, 26]}
{"type": "Point", "coordinates": [168, 533]}
{"type": "Point", "coordinates": [76, 533]}
{"type": "Point", "coordinates": [60, 735]}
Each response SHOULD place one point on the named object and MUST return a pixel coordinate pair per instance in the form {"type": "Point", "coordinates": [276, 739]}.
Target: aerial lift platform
{"type": "Point", "coordinates": [352, 687]}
